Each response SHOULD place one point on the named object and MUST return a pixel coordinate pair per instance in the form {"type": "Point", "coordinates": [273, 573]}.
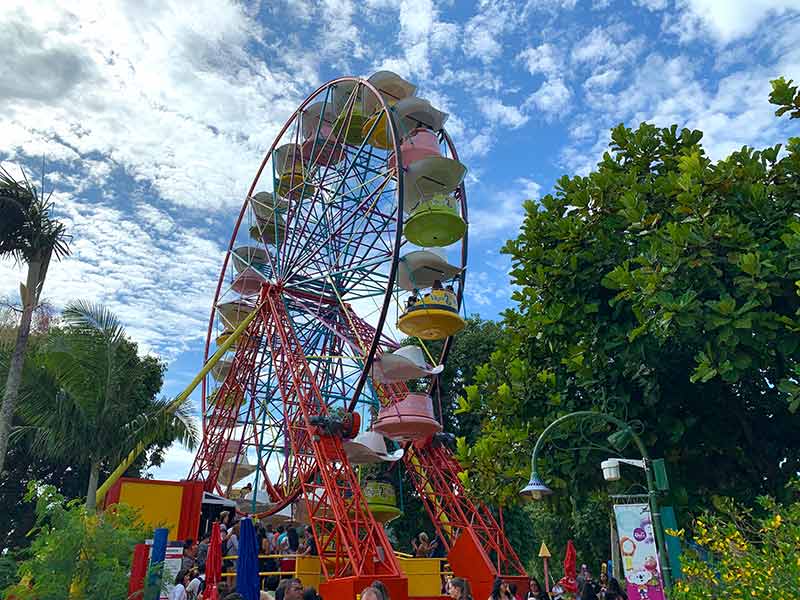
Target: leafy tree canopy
{"type": "Point", "coordinates": [662, 288]}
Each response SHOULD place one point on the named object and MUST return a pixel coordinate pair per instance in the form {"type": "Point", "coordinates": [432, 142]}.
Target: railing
{"type": "Point", "coordinates": [277, 557]}
{"type": "Point", "coordinates": [442, 570]}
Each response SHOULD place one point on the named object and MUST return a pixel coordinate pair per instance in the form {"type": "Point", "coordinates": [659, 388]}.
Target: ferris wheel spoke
{"type": "Point", "coordinates": [351, 184]}
{"type": "Point", "coordinates": [336, 230]}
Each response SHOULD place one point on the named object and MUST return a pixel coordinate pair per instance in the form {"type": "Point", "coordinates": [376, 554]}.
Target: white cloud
{"type": "Point", "coordinates": [340, 36]}
{"type": "Point", "coordinates": [549, 5]}
{"type": "Point", "coordinates": [543, 59]}
{"type": "Point", "coordinates": [652, 4]}
{"type": "Point", "coordinates": [483, 33]}
{"type": "Point", "coordinates": [167, 94]}
{"type": "Point", "coordinates": [731, 113]}
{"type": "Point", "coordinates": [602, 79]}
{"type": "Point", "coordinates": [606, 45]}
{"type": "Point", "coordinates": [158, 278]}
{"type": "Point", "coordinates": [727, 20]}
{"type": "Point", "coordinates": [502, 215]}
{"type": "Point", "coordinates": [501, 114]}
{"type": "Point", "coordinates": [552, 97]}
{"type": "Point", "coordinates": [422, 37]}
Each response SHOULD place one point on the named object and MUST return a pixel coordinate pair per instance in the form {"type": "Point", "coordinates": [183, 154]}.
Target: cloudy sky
{"type": "Point", "coordinates": [154, 115]}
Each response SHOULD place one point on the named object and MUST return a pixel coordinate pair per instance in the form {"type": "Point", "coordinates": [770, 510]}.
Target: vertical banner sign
{"type": "Point", "coordinates": [172, 566]}
{"type": "Point", "coordinates": [637, 546]}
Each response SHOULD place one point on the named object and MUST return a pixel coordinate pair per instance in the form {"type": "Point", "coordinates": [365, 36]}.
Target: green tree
{"type": "Point", "coordinates": [66, 474]}
{"type": "Point", "coordinates": [76, 552]}
{"type": "Point", "coordinates": [29, 235]}
{"type": "Point", "coordinates": [662, 288]}
{"type": "Point", "coordinates": [785, 95]}
{"type": "Point", "coordinates": [104, 393]}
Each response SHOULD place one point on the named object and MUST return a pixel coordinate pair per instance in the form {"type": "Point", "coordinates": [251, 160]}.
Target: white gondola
{"type": "Point", "coordinates": [287, 159]}
{"type": "Point", "coordinates": [264, 205]}
{"type": "Point", "coordinates": [249, 256]}
{"type": "Point", "coordinates": [233, 471]}
{"type": "Point", "coordinates": [369, 447]}
{"type": "Point", "coordinates": [391, 86]}
{"type": "Point", "coordinates": [416, 112]}
{"type": "Point", "coordinates": [234, 312]}
{"type": "Point", "coordinates": [418, 270]}
{"type": "Point", "coordinates": [220, 370]}
{"type": "Point", "coordinates": [429, 177]}
{"type": "Point", "coordinates": [404, 364]}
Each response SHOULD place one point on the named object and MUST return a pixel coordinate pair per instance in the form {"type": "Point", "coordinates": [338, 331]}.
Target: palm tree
{"type": "Point", "coordinates": [104, 406]}
{"type": "Point", "coordinates": [29, 235]}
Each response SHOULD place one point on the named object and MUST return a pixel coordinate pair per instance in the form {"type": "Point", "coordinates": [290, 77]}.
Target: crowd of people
{"type": "Point", "coordinates": [281, 541]}
{"type": "Point", "coordinates": [273, 544]}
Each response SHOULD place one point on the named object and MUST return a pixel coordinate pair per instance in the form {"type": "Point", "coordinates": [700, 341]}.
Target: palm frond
{"type": "Point", "coordinates": [93, 317]}
{"type": "Point", "coordinates": [28, 230]}
{"type": "Point", "coordinates": [161, 425]}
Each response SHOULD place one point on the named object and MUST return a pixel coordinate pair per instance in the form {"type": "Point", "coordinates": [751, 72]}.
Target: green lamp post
{"type": "Point", "coordinates": [536, 489]}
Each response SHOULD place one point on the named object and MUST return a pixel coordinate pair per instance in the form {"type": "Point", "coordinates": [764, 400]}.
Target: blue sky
{"type": "Point", "coordinates": [154, 118]}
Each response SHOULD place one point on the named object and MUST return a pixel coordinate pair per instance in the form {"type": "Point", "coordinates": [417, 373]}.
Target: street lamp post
{"type": "Point", "coordinates": [536, 489]}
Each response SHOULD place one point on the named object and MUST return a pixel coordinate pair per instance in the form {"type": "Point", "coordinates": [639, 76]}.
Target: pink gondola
{"type": "Point", "coordinates": [409, 420]}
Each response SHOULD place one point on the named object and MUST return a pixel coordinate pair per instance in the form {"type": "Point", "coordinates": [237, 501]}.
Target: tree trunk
{"type": "Point", "coordinates": [18, 357]}
{"type": "Point", "coordinates": [91, 492]}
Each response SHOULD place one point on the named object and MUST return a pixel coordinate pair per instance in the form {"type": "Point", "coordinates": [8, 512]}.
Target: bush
{"type": "Point", "coordinates": [747, 555]}
{"type": "Point", "coordinates": [76, 553]}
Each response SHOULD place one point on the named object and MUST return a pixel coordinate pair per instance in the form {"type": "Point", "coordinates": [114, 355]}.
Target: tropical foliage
{"type": "Point", "coordinates": [68, 474]}
{"type": "Point", "coordinates": [76, 553]}
{"type": "Point", "coordinates": [104, 392]}
{"type": "Point", "coordinates": [661, 288]}
{"type": "Point", "coordinates": [744, 553]}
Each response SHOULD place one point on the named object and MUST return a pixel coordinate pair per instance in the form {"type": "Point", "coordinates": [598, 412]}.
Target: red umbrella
{"type": "Point", "coordinates": [569, 582]}
{"type": "Point", "coordinates": [214, 562]}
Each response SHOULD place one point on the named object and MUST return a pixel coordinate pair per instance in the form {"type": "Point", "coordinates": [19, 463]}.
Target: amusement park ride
{"type": "Point", "coordinates": [338, 253]}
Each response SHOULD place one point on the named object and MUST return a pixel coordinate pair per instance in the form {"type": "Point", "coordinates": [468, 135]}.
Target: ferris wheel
{"type": "Point", "coordinates": [352, 239]}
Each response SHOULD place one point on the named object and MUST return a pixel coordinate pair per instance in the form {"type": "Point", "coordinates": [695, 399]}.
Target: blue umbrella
{"type": "Point", "coordinates": [247, 583]}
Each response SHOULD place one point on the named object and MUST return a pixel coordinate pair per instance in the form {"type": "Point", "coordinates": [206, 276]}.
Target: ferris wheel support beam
{"type": "Point", "coordinates": [346, 533]}
{"type": "Point", "coordinates": [435, 473]}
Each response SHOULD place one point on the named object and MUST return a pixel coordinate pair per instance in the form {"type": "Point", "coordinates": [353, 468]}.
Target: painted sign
{"type": "Point", "coordinates": [637, 545]}
{"type": "Point", "coordinates": [172, 566]}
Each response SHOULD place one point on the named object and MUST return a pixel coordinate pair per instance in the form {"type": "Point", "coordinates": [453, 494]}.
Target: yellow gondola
{"type": "Point", "coordinates": [348, 99]}
{"type": "Point", "coordinates": [292, 185]}
{"type": "Point", "coordinates": [435, 317]}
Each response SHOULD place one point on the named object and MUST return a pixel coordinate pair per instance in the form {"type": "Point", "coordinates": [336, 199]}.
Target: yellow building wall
{"type": "Point", "coordinates": [159, 504]}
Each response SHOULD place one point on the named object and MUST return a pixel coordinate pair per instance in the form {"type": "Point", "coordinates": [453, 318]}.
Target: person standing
{"type": "Point", "coordinates": [500, 590]}
{"type": "Point", "coordinates": [311, 543]}
{"type": "Point", "coordinates": [197, 583]}
{"type": "Point", "coordinates": [294, 540]}
{"type": "Point", "coordinates": [188, 558]}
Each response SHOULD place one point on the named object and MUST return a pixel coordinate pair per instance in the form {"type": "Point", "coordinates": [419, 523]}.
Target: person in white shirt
{"type": "Point", "coordinates": [196, 584]}
{"type": "Point", "coordinates": [179, 591]}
